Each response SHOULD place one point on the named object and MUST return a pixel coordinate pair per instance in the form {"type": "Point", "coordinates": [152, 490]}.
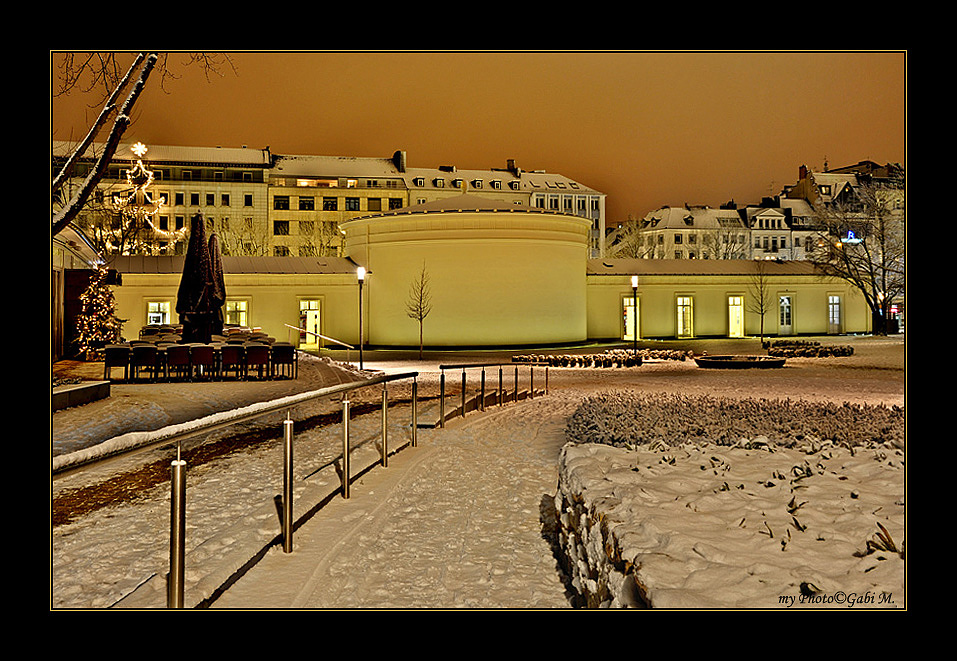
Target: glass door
{"type": "Point", "coordinates": [834, 315]}
{"type": "Point", "coordinates": [785, 323]}
{"type": "Point", "coordinates": [685, 316]}
{"type": "Point", "coordinates": [631, 316]}
{"type": "Point", "coordinates": [736, 316]}
{"type": "Point", "coordinates": [309, 325]}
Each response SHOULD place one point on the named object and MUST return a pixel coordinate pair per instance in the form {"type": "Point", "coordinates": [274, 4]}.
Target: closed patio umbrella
{"type": "Point", "coordinates": [194, 303]}
{"type": "Point", "coordinates": [217, 295]}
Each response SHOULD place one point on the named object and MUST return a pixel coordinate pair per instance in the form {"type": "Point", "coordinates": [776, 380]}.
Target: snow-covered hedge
{"type": "Point", "coordinates": [807, 349]}
{"type": "Point", "coordinates": [637, 418]}
{"type": "Point", "coordinates": [610, 358]}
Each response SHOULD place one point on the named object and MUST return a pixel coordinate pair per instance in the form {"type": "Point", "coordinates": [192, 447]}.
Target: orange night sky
{"type": "Point", "coordinates": [646, 128]}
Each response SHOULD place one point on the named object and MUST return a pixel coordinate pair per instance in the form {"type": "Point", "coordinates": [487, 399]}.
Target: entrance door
{"type": "Point", "coordinates": [785, 323]}
{"type": "Point", "coordinates": [736, 316]}
{"type": "Point", "coordinates": [834, 315]}
{"type": "Point", "coordinates": [685, 316]}
{"type": "Point", "coordinates": [309, 325]}
{"type": "Point", "coordinates": [630, 316]}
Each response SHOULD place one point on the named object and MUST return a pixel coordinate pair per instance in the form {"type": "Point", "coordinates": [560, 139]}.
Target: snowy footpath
{"type": "Point", "coordinates": [456, 522]}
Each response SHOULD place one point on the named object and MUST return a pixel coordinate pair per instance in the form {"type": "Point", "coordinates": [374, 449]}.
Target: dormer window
{"type": "Point", "coordinates": [419, 181]}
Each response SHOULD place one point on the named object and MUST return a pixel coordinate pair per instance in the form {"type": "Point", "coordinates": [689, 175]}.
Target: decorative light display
{"type": "Point", "coordinates": [137, 204]}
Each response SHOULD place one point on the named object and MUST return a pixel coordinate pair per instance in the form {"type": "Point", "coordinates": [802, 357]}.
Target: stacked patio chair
{"type": "Point", "coordinates": [283, 356]}
{"type": "Point", "coordinates": [257, 355]}
{"type": "Point", "coordinates": [116, 355]}
{"type": "Point", "coordinates": [144, 356]}
{"type": "Point", "coordinates": [202, 358]}
{"type": "Point", "coordinates": [232, 357]}
{"type": "Point", "coordinates": [178, 361]}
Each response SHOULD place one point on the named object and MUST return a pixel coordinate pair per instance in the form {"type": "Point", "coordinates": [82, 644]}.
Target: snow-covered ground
{"type": "Point", "coordinates": [465, 518]}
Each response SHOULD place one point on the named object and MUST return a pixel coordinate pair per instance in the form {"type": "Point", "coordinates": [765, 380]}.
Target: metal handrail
{"type": "Point", "coordinates": [177, 519]}
{"type": "Point", "coordinates": [500, 396]}
{"type": "Point", "coordinates": [328, 339]}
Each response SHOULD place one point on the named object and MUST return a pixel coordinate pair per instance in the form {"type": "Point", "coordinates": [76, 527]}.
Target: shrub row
{"type": "Point", "coordinates": [610, 358]}
{"type": "Point", "coordinates": [634, 418]}
{"type": "Point", "coordinates": [807, 349]}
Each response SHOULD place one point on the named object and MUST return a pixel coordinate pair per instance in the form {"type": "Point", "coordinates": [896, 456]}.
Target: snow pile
{"type": "Point", "coordinates": [704, 526]}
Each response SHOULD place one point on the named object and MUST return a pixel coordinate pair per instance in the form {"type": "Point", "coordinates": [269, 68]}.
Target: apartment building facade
{"type": "Point", "coordinates": [265, 204]}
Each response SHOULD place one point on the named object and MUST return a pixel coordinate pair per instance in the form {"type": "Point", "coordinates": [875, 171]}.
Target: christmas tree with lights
{"type": "Point", "coordinates": [97, 322]}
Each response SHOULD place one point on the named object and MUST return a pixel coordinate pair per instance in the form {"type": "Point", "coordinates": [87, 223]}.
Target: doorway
{"type": "Point", "coordinates": [736, 316]}
{"type": "Point", "coordinates": [310, 325]}
{"type": "Point", "coordinates": [631, 315]}
{"type": "Point", "coordinates": [785, 316]}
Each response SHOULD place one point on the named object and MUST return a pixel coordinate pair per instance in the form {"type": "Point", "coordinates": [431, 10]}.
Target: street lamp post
{"type": "Point", "coordinates": [361, 275]}
{"type": "Point", "coordinates": [634, 314]}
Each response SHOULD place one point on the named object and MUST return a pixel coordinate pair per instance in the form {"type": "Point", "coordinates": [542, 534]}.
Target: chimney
{"type": "Point", "coordinates": [399, 160]}
{"type": "Point", "coordinates": [802, 172]}
{"type": "Point", "coordinates": [510, 165]}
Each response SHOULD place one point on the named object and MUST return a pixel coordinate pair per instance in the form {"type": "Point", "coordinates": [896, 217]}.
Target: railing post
{"type": "Point", "coordinates": [415, 411]}
{"type": "Point", "coordinates": [177, 535]}
{"type": "Point", "coordinates": [546, 379]}
{"type": "Point", "coordinates": [482, 401]}
{"type": "Point", "coordinates": [531, 381]}
{"type": "Point", "coordinates": [516, 384]}
{"type": "Point", "coordinates": [501, 390]}
{"type": "Point", "coordinates": [463, 392]}
{"type": "Point", "coordinates": [385, 426]}
{"type": "Point", "coordinates": [345, 447]}
{"type": "Point", "coordinates": [287, 485]}
{"type": "Point", "coordinates": [442, 400]}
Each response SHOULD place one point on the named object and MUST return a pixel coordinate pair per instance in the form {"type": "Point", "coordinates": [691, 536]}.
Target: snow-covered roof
{"type": "Point", "coordinates": [238, 156]}
{"type": "Point", "coordinates": [667, 267]}
{"type": "Point", "coordinates": [236, 264]}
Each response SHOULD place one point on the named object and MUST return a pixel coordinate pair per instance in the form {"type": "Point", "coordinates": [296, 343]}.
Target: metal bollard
{"type": "Point", "coordinates": [385, 427]}
{"type": "Point", "coordinates": [287, 485]}
{"type": "Point", "coordinates": [463, 392]}
{"type": "Point", "coordinates": [415, 411]}
{"type": "Point", "coordinates": [546, 379]}
{"type": "Point", "coordinates": [442, 400]}
{"type": "Point", "coordinates": [516, 384]}
{"type": "Point", "coordinates": [177, 535]}
{"type": "Point", "coordinates": [531, 382]}
{"type": "Point", "coordinates": [345, 448]}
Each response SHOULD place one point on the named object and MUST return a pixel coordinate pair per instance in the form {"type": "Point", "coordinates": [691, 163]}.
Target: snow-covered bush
{"type": "Point", "coordinates": [635, 418]}
{"type": "Point", "coordinates": [807, 349]}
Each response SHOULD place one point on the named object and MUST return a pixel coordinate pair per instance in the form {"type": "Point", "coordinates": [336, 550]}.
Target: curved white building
{"type": "Point", "coordinates": [499, 274]}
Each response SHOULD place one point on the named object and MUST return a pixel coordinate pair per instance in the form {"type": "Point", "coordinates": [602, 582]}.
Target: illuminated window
{"type": "Point", "coordinates": [307, 204]}
{"type": "Point", "coordinates": [157, 312]}
{"type": "Point", "coordinates": [236, 313]}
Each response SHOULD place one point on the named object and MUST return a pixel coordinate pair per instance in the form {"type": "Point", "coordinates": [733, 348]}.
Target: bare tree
{"type": "Point", "coordinates": [103, 74]}
{"type": "Point", "coordinates": [419, 304]}
{"type": "Point", "coordinates": [759, 301]}
{"type": "Point", "coordinates": [862, 242]}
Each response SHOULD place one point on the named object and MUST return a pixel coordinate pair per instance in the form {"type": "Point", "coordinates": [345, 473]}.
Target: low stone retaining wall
{"type": "Point", "coordinates": [76, 394]}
